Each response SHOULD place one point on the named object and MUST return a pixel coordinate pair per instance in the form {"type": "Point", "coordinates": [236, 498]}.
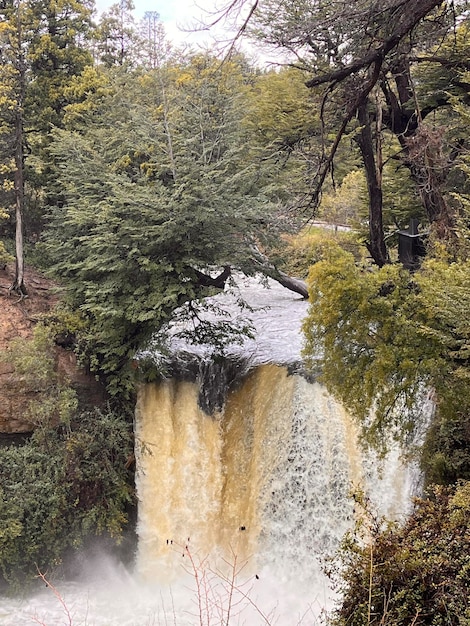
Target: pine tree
{"type": "Point", "coordinates": [42, 49]}
{"type": "Point", "coordinates": [13, 88]}
{"type": "Point", "coordinates": [116, 35]}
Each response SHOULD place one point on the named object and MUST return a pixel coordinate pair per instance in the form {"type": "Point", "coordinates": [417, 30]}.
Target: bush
{"type": "Point", "coordinates": [60, 487]}
{"type": "Point", "coordinates": [415, 574]}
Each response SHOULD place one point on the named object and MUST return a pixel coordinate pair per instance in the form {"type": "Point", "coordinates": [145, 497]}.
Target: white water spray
{"type": "Point", "coordinates": [239, 508]}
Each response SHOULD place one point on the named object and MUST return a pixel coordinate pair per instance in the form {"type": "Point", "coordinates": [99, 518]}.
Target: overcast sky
{"type": "Point", "coordinates": [177, 16]}
{"type": "Point", "coordinates": [182, 17]}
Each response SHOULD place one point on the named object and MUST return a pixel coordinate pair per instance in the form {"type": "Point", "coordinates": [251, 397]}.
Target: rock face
{"type": "Point", "coordinates": [17, 319]}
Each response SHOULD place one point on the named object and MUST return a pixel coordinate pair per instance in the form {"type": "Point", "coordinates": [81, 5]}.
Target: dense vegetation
{"type": "Point", "coordinates": [69, 480]}
{"type": "Point", "coordinates": [141, 178]}
{"type": "Point", "coordinates": [62, 486]}
{"type": "Point", "coordinates": [414, 574]}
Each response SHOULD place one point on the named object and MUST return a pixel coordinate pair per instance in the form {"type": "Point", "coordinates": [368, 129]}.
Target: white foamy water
{"type": "Point", "coordinates": [237, 511]}
{"type": "Point", "coordinates": [273, 312]}
{"type": "Point", "coordinates": [120, 599]}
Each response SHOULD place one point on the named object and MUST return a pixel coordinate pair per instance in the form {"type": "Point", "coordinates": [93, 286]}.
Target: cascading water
{"type": "Point", "coordinates": [264, 478]}
{"type": "Point", "coordinates": [240, 500]}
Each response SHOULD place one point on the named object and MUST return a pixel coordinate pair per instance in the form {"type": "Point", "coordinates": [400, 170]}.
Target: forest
{"type": "Point", "coordinates": [141, 177]}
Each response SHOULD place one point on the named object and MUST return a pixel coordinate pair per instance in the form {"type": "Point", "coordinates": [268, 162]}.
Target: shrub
{"type": "Point", "coordinates": [304, 250]}
{"type": "Point", "coordinates": [418, 573]}
{"type": "Point", "coordinates": [60, 487]}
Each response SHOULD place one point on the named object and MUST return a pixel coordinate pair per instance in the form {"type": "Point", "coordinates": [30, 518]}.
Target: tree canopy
{"type": "Point", "coordinates": [157, 190]}
{"type": "Point", "coordinates": [365, 57]}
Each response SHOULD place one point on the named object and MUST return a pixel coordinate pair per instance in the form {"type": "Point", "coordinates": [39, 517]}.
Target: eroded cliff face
{"type": "Point", "coordinates": [18, 318]}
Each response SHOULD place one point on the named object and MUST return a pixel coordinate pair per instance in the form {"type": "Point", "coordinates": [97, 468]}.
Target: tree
{"type": "Point", "coordinates": [13, 74]}
{"type": "Point", "coordinates": [116, 34]}
{"type": "Point", "coordinates": [59, 489]}
{"type": "Point", "coordinates": [364, 56]}
{"type": "Point", "coordinates": [283, 124]}
{"type": "Point", "coordinates": [154, 47]}
{"type": "Point", "coordinates": [40, 52]}
{"type": "Point", "coordinates": [56, 35]}
{"type": "Point", "coordinates": [148, 224]}
{"type": "Point", "coordinates": [57, 52]}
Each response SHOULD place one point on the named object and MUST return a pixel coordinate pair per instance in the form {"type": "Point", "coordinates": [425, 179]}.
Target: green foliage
{"type": "Point", "coordinates": [302, 251]}
{"type": "Point", "coordinates": [436, 81]}
{"type": "Point", "coordinates": [282, 110]}
{"type": "Point", "coordinates": [445, 455]}
{"type": "Point", "coordinates": [58, 489]}
{"type": "Point", "coordinates": [35, 378]}
{"type": "Point", "coordinates": [401, 199]}
{"type": "Point", "coordinates": [5, 256]}
{"type": "Point", "coordinates": [461, 177]}
{"type": "Point", "coordinates": [154, 191]}
{"type": "Point", "coordinates": [54, 33]}
{"type": "Point", "coordinates": [445, 287]}
{"type": "Point", "coordinates": [415, 574]}
{"type": "Point", "coordinates": [41, 49]}
{"type": "Point", "coordinates": [283, 126]}
{"type": "Point", "coordinates": [380, 336]}
{"type": "Point", "coordinates": [62, 320]}
{"type": "Point", "coordinates": [9, 82]}
{"type": "Point", "coordinates": [116, 34]}
{"type": "Point", "coordinates": [84, 92]}
{"type": "Point", "coordinates": [347, 203]}
{"type": "Point", "coordinates": [359, 322]}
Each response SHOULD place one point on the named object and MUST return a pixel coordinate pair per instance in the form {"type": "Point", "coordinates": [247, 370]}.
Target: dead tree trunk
{"type": "Point", "coordinates": [19, 284]}
{"type": "Point", "coordinates": [265, 267]}
{"type": "Point", "coordinates": [269, 269]}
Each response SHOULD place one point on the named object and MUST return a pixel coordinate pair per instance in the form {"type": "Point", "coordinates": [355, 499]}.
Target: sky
{"type": "Point", "coordinates": [178, 16]}
{"type": "Point", "coordinates": [181, 18]}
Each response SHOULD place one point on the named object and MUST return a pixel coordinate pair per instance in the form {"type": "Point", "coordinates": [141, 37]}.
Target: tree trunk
{"type": "Point", "coordinates": [18, 284]}
{"type": "Point", "coordinates": [422, 149]}
{"type": "Point", "coordinates": [429, 170]}
{"type": "Point", "coordinates": [266, 267]}
{"type": "Point", "coordinates": [293, 284]}
{"type": "Point", "coordinates": [376, 244]}
{"type": "Point", "coordinates": [269, 269]}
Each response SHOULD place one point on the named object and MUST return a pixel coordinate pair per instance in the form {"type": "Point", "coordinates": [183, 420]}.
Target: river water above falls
{"type": "Point", "coordinates": [238, 508]}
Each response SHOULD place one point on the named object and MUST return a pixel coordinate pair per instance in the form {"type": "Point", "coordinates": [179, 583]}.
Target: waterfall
{"type": "Point", "coordinates": [245, 467]}
{"type": "Point", "coordinates": [266, 480]}
{"type": "Point", "coordinates": [264, 473]}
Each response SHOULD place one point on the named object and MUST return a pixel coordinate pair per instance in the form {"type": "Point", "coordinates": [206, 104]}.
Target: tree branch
{"type": "Point", "coordinates": [269, 269]}
{"type": "Point", "coordinates": [410, 17]}
{"type": "Point", "coordinates": [350, 112]}
{"type": "Point", "coordinates": [205, 280]}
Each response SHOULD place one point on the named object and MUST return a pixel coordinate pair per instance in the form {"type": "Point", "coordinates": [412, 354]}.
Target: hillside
{"type": "Point", "coordinates": [18, 318]}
